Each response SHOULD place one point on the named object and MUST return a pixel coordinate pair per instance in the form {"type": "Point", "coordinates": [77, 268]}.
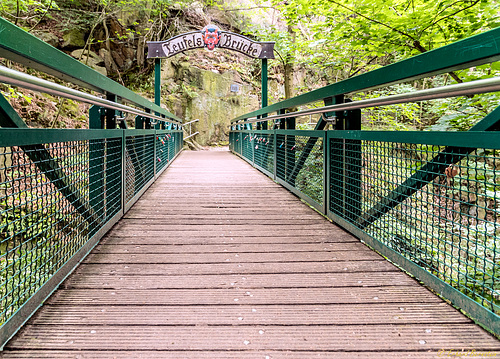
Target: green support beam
{"type": "Point", "coordinates": [158, 81]}
{"type": "Point", "coordinates": [264, 89]}
{"type": "Point", "coordinates": [311, 142]}
{"type": "Point", "coordinates": [97, 118]}
{"type": "Point", "coordinates": [8, 116]}
{"type": "Point", "coordinates": [22, 47]}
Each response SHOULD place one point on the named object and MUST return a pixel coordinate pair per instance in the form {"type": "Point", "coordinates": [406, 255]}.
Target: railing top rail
{"type": "Point", "coordinates": [467, 88]}
{"type": "Point", "coordinates": [187, 123]}
{"type": "Point", "coordinates": [20, 46]}
{"type": "Point", "coordinates": [21, 79]}
{"type": "Point", "coordinates": [31, 136]}
{"type": "Point", "coordinates": [473, 51]}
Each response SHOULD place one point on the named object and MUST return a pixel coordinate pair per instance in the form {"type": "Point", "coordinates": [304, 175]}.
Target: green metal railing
{"type": "Point", "coordinates": [428, 201]}
{"type": "Point", "coordinates": [62, 190]}
{"type": "Point", "coordinates": [42, 229]}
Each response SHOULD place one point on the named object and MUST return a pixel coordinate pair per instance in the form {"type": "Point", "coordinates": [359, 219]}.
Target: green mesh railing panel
{"type": "Point", "coordinates": [450, 227]}
{"type": "Point", "coordinates": [306, 175]}
{"type": "Point", "coordinates": [264, 151]}
{"type": "Point", "coordinates": [172, 144]}
{"type": "Point", "coordinates": [140, 163]}
{"type": "Point", "coordinates": [425, 196]}
{"type": "Point", "coordinates": [40, 229]}
{"type": "Point", "coordinates": [231, 141]}
{"type": "Point", "coordinates": [162, 150]}
{"type": "Point", "coordinates": [247, 146]}
{"type": "Point", "coordinates": [56, 196]}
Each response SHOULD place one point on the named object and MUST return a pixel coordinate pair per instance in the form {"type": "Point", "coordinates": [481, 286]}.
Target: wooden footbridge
{"type": "Point", "coordinates": [115, 243]}
{"type": "Point", "coordinates": [212, 268]}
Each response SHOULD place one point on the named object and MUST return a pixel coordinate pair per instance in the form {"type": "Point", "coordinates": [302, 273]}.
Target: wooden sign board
{"type": "Point", "coordinates": [210, 38]}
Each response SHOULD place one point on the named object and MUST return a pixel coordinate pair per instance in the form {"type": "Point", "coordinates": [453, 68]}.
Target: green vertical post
{"type": "Point", "coordinates": [111, 114]}
{"type": "Point", "coordinates": [263, 125]}
{"type": "Point", "coordinates": [157, 88]}
{"type": "Point", "coordinates": [326, 173]}
{"type": "Point", "coordinates": [281, 149]}
{"type": "Point", "coordinates": [275, 155]}
{"type": "Point", "coordinates": [264, 82]}
{"type": "Point", "coordinates": [345, 167]}
{"type": "Point", "coordinates": [336, 159]}
{"type": "Point", "coordinates": [158, 81]}
{"type": "Point", "coordinates": [290, 150]}
{"type": "Point", "coordinates": [139, 122]}
{"type": "Point", "coordinates": [352, 167]}
{"type": "Point", "coordinates": [113, 164]}
{"type": "Point", "coordinates": [96, 164]}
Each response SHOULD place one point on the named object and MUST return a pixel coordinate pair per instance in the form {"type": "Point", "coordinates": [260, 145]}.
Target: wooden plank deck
{"type": "Point", "coordinates": [218, 261]}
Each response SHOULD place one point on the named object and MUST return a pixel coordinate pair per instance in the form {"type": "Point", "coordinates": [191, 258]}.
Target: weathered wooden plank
{"type": "Point", "coordinates": [239, 296]}
{"type": "Point", "coordinates": [161, 220]}
{"type": "Point", "coordinates": [158, 226]}
{"type": "Point", "coordinates": [188, 217]}
{"type": "Point", "coordinates": [119, 247]}
{"type": "Point", "coordinates": [296, 280]}
{"type": "Point", "coordinates": [359, 314]}
{"type": "Point", "coordinates": [236, 268]}
{"type": "Point", "coordinates": [315, 338]}
{"type": "Point", "coordinates": [135, 238]}
{"type": "Point", "coordinates": [152, 258]}
{"type": "Point", "coordinates": [248, 354]}
{"type": "Point", "coordinates": [222, 232]}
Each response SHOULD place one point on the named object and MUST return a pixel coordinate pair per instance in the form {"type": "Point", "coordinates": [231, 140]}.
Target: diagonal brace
{"type": "Point", "coordinates": [46, 164]}
{"type": "Point", "coordinates": [427, 173]}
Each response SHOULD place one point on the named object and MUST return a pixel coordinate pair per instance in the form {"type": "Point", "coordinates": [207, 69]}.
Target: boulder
{"type": "Point", "coordinates": [91, 59]}
{"type": "Point", "coordinates": [48, 37]}
{"type": "Point", "coordinates": [74, 38]}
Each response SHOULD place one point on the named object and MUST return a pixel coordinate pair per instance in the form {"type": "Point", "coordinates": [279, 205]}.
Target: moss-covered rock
{"type": "Point", "coordinates": [206, 95]}
{"type": "Point", "coordinates": [74, 38]}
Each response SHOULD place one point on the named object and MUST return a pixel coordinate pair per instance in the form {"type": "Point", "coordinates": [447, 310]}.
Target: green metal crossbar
{"type": "Point", "coordinates": [428, 201]}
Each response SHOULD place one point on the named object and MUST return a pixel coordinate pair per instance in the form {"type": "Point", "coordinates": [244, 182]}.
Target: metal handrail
{"type": "Point", "coordinates": [467, 88]}
{"type": "Point", "coordinates": [190, 134]}
{"type": "Point", "coordinates": [185, 138]}
{"type": "Point", "coordinates": [21, 79]}
{"type": "Point", "coordinates": [187, 123]}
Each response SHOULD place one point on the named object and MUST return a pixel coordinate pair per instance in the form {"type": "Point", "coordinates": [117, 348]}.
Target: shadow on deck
{"type": "Point", "coordinates": [218, 261]}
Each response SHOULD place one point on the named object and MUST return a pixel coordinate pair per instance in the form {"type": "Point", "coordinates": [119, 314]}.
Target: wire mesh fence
{"type": "Point", "coordinates": [295, 160]}
{"type": "Point", "coordinates": [299, 163]}
{"type": "Point", "coordinates": [264, 150]}
{"type": "Point", "coordinates": [140, 162]}
{"type": "Point", "coordinates": [432, 199]}
{"type": "Point", "coordinates": [55, 196]}
{"type": "Point", "coordinates": [450, 226]}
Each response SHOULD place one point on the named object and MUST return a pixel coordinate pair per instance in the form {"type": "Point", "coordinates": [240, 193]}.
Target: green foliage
{"type": "Point", "coordinates": [339, 39]}
{"type": "Point", "coordinates": [14, 10]}
{"type": "Point", "coordinates": [11, 93]}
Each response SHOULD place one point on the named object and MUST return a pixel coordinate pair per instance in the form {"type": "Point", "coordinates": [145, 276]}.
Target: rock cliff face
{"type": "Point", "coordinates": [214, 96]}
